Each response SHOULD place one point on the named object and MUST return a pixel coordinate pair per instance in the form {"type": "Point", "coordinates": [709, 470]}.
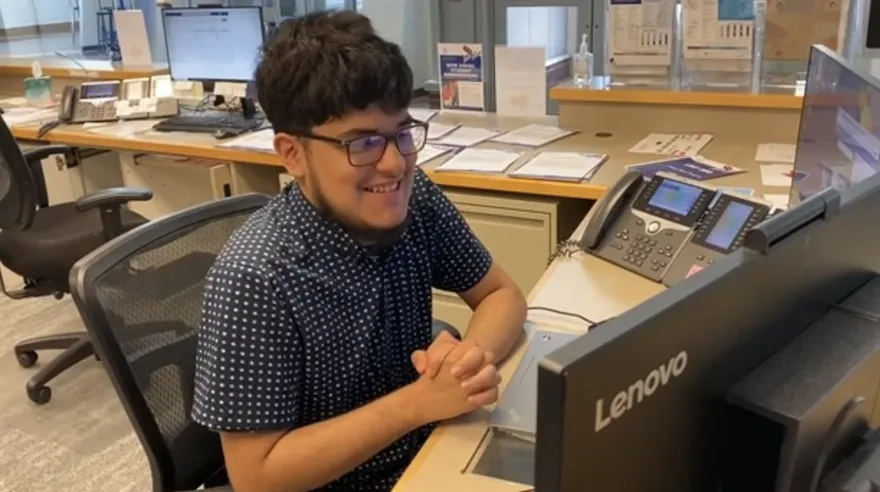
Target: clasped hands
{"type": "Point", "coordinates": [460, 376]}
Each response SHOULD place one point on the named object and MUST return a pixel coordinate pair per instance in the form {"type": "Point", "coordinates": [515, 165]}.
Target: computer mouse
{"type": "Point", "coordinates": [224, 133]}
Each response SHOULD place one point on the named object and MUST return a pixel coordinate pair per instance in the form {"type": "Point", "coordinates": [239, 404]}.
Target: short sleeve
{"type": "Point", "coordinates": [458, 260]}
{"type": "Point", "coordinates": [248, 357]}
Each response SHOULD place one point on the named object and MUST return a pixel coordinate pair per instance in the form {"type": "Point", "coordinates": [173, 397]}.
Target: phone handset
{"type": "Point", "coordinates": [68, 104]}
{"type": "Point", "coordinates": [608, 208]}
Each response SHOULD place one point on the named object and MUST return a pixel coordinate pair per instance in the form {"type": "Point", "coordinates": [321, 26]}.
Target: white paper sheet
{"type": "Point", "coordinates": [430, 152]}
{"type": "Point", "coordinates": [778, 200]}
{"type": "Point", "coordinates": [680, 144]}
{"type": "Point", "coordinates": [480, 161]}
{"type": "Point", "coordinates": [27, 115]}
{"type": "Point", "coordinates": [127, 129]}
{"type": "Point", "coordinates": [567, 166]}
{"type": "Point", "coordinates": [521, 81]}
{"type": "Point", "coordinates": [260, 141]}
{"type": "Point", "coordinates": [775, 152]}
{"type": "Point", "coordinates": [134, 44]}
{"type": "Point", "coordinates": [776, 174]}
{"type": "Point", "coordinates": [465, 136]}
{"type": "Point", "coordinates": [533, 135]}
{"type": "Point", "coordinates": [439, 130]}
{"type": "Point", "coordinates": [422, 114]}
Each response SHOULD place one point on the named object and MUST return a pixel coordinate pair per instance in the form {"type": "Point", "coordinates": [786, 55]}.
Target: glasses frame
{"type": "Point", "coordinates": [389, 137]}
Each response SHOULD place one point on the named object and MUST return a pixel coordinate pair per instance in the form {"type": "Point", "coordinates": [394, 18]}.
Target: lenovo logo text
{"type": "Point", "coordinates": [625, 400]}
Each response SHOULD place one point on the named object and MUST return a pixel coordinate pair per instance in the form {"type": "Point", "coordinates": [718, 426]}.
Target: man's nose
{"type": "Point", "coordinates": [392, 162]}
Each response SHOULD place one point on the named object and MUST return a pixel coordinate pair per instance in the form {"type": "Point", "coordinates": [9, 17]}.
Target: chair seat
{"type": "Point", "coordinates": [58, 238]}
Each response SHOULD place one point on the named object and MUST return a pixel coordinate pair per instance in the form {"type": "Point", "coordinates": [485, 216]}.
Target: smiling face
{"type": "Point", "coordinates": [365, 185]}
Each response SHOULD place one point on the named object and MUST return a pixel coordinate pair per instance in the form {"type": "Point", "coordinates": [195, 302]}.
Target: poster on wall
{"type": "Point", "coordinates": [641, 32]}
{"type": "Point", "coordinates": [718, 29]}
{"type": "Point", "coordinates": [461, 77]}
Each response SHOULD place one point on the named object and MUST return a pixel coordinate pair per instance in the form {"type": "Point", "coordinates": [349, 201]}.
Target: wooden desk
{"type": "Point", "coordinates": [583, 285]}
{"type": "Point", "coordinates": [66, 72]}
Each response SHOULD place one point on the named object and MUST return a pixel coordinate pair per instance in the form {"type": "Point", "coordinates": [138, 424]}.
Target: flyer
{"type": "Point", "coordinates": [691, 167]}
{"type": "Point", "coordinates": [461, 76]}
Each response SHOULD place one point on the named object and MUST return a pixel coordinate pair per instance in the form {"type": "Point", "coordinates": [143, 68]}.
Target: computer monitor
{"type": "Point", "coordinates": [213, 44]}
{"type": "Point", "coordinates": [839, 140]}
{"type": "Point", "coordinates": [640, 403]}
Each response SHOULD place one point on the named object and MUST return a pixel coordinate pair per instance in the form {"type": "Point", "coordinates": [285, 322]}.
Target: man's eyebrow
{"type": "Point", "coordinates": [357, 132]}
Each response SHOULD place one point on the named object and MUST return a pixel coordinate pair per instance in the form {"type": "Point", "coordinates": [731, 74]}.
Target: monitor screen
{"type": "Point", "coordinates": [210, 44]}
{"type": "Point", "coordinates": [675, 197]}
{"type": "Point", "coordinates": [839, 143]}
{"type": "Point", "coordinates": [729, 224]}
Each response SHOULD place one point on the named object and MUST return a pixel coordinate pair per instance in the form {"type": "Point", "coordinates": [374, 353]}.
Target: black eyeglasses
{"type": "Point", "coordinates": [368, 150]}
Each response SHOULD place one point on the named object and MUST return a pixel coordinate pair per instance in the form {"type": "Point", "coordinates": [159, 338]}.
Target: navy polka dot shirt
{"type": "Point", "coordinates": [301, 324]}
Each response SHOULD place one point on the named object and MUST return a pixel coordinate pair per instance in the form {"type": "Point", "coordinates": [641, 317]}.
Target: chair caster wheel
{"type": "Point", "coordinates": [41, 395]}
{"type": "Point", "coordinates": [59, 295]}
{"type": "Point", "coordinates": [27, 359]}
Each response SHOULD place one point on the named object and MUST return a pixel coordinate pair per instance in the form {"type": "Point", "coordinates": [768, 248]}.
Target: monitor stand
{"type": "Point", "coordinates": [248, 106]}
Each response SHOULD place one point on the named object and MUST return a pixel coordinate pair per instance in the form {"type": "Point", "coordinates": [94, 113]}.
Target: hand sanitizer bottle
{"type": "Point", "coordinates": [583, 64]}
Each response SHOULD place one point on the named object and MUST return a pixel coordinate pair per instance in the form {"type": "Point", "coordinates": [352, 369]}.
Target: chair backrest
{"type": "Point", "coordinates": [18, 200]}
{"type": "Point", "coordinates": [140, 298]}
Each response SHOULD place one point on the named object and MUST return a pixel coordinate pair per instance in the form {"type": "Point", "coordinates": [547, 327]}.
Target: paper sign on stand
{"type": "Point", "coordinates": [461, 77]}
{"type": "Point", "coordinates": [521, 81]}
{"type": "Point", "coordinates": [134, 44]}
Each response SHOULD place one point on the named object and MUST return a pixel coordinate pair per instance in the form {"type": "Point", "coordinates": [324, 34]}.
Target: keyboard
{"type": "Point", "coordinates": [208, 123]}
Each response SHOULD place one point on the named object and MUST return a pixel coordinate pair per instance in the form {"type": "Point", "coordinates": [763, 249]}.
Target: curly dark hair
{"type": "Point", "coordinates": [321, 66]}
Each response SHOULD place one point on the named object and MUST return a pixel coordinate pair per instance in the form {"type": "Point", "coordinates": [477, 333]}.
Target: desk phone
{"type": "Point", "coordinates": [91, 101]}
{"type": "Point", "coordinates": [659, 227]}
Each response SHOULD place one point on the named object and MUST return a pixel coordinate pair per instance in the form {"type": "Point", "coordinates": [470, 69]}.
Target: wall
{"type": "Point", "coordinates": [27, 13]}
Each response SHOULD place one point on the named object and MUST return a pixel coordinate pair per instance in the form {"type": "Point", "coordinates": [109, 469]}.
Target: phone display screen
{"type": "Point", "coordinates": [99, 91]}
{"type": "Point", "coordinates": [729, 224]}
{"type": "Point", "coordinates": [677, 198]}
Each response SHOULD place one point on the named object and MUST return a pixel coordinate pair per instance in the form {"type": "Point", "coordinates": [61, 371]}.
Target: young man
{"type": "Point", "coordinates": [316, 362]}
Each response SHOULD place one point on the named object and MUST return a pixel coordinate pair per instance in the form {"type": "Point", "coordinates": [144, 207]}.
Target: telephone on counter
{"type": "Point", "coordinates": [667, 228]}
{"type": "Point", "coordinates": [90, 102]}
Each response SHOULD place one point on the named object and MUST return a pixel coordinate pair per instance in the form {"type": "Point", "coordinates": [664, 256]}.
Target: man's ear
{"type": "Point", "coordinates": [292, 153]}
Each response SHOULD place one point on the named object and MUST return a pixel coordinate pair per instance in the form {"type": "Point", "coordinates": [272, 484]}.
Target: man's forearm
{"type": "Point", "coordinates": [312, 456]}
{"type": "Point", "coordinates": [497, 322]}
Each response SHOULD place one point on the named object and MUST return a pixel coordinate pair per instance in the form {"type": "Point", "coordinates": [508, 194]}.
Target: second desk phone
{"type": "Point", "coordinates": [667, 228]}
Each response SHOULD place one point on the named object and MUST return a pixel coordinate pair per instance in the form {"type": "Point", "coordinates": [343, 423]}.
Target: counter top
{"type": "Point", "coordinates": [56, 66]}
{"type": "Point", "coordinates": [570, 93]}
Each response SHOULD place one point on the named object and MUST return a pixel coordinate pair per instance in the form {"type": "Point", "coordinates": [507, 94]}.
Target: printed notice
{"type": "Point", "coordinates": [718, 29]}
{"type": "Point", "coordinates": [641, 32]}
{"type": "Point", "coordinates": [521, 81]}
{"type": "Point", "coordinates": [461, 76]}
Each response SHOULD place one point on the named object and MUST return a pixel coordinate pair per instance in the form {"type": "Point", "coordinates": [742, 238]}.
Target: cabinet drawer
{"type": "Point", "coordinates": [520, 241]}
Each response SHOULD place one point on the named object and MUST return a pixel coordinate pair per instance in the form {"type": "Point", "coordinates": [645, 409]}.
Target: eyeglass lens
{"type": "Point", "coordinates": [368, 150]}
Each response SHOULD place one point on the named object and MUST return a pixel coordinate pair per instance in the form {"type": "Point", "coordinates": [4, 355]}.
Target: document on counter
{"type": "Point", "coordinates": [123, 129]}
{"type": "Point", "coordinates": [775, 152]}
{"type": "Point", "coordinates": [422, 114]}
{"type": "Point", "coordinates": [776, 174]}
{"type": "Point", "coordinates": [27, 115]}
{"type": "Point", "coordinates": [465, 136]}
{"type": "Point", "coordinates": [260, 141]}
{"type": "Point", "coordinates": [439, 130]}
{"type": "Point", "coordinates": [533, 135]}
{"type": "Point", "coordinates": [778, 200]}
{"type": "Point", "coordinates": [691, 167]}
{"type": "Point", "coordinates": [672, 144]}
{"type": "Point", "coordinates": [480, 161]}
{"type": "Point", "coordinates": [430, 152]}
{"type": "Point", "coordinates": [564, 166]}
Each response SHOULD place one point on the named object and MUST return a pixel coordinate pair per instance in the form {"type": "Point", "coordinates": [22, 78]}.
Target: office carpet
{"type": "Point", "coordinates": [81, 441]}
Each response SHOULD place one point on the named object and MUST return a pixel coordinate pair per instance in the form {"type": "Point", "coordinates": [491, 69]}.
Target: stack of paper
{"type": "Point", "coordinates": [430, 152]}
{"type": "Point", "coordinates": [480, 161]}
{"type": "Point", "coordinates": [439, 130]}
{"type": "Point", "coordinates": [533, 135]}
{"type": "Point", "coordinates": [260, 141]}
{"type": "Point", "coordinates": [465, 136]}
{"type": "Point", "coordinates": [27, 115]}
{"type": "Point", "coordinates": [565, 166]}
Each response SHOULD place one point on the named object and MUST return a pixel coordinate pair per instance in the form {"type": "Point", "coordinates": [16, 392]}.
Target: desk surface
{"type": "Point", "coordinates": [737, 152]}
{"type": "Point", "coordinates": [582, 284]}
{"type": "Point", "coordinates": [56, 66]}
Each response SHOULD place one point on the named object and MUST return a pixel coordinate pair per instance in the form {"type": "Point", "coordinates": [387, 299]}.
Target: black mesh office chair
{"type": "Point", "coordinates": [140, 298]}
{"type": "Point", "coordinates": [41, 242]}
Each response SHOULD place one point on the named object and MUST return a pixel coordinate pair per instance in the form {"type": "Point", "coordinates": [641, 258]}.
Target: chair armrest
{"type": "Point", "coordinates": [111, 197]}
{"type": "Point", "coordinates": [438, 326]}
{"type": "Point", "coordinates": [39, 153]}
